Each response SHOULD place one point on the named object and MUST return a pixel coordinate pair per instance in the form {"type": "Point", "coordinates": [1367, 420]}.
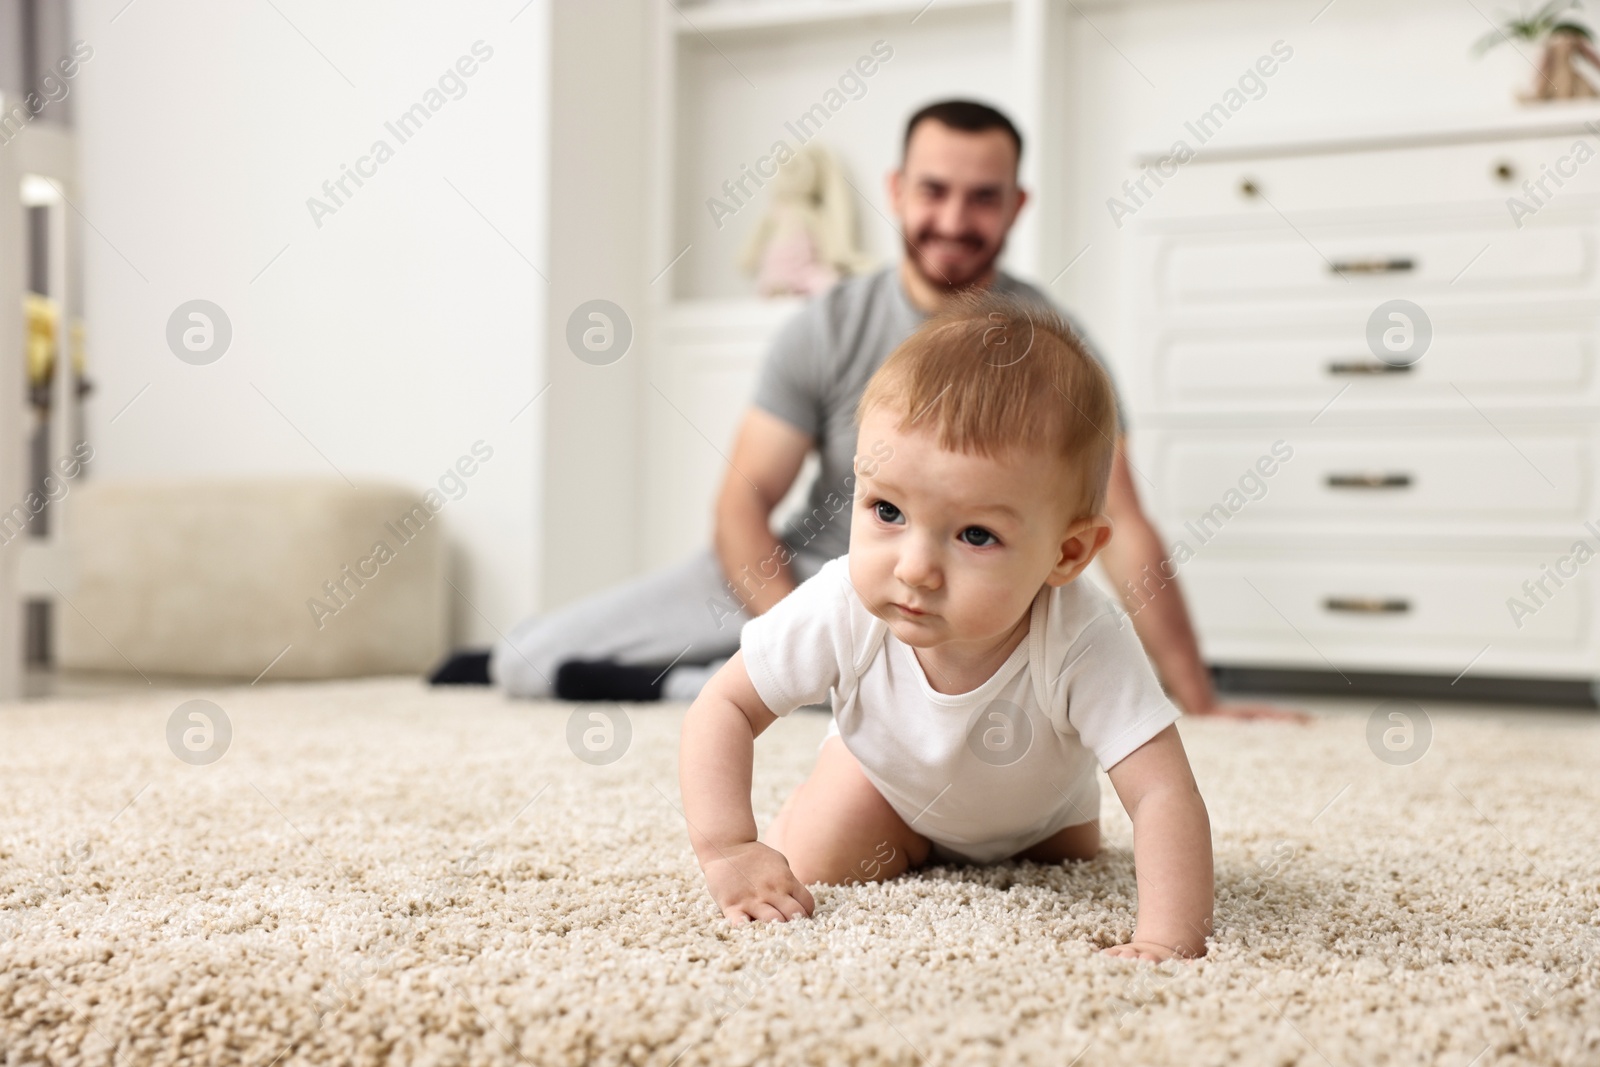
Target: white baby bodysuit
{"type": "Point", "coordinates": [982, 774]}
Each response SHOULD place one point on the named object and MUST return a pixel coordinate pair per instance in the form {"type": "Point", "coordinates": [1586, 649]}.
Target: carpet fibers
{"type": "Point", "coordinates": [376, 872]}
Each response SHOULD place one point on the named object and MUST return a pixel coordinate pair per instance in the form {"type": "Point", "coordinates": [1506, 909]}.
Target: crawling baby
{"type": "Point", "coordinates": [975, 682]}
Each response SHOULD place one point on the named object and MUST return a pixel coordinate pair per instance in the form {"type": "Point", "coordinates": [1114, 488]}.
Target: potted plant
{"type": "Point", "coordinates": [1557, 38]}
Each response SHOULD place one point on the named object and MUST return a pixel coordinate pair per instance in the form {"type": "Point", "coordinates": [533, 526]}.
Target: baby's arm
{"type": "Point", "coordinates": [1171, 850]}
{"type": "Point", "coordinates": [747, 879]}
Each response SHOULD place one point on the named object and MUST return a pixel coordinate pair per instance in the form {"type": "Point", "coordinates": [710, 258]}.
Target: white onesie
{"type": "Point", "coordinates": [982, 774]}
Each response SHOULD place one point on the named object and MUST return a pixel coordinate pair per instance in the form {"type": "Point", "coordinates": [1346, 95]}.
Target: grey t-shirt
{"type": "Point", "coordinates": [819, 366]}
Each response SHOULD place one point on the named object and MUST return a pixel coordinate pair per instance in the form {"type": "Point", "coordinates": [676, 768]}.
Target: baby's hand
{"type": "Point", "coordinates": [1145, 950]}
{"type": "Point", "coordinates": [753, 881]}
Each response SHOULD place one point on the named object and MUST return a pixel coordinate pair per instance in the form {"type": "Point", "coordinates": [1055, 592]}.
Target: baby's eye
{"type": "Point", "coordinates": [980, 533]}
{"type": "Point", "coordinates": [886, 511]}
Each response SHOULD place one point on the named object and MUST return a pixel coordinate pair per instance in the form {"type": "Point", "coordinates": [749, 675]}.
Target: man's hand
{"type": "Point", "coordinates": [1239, 710]}
{"type": "Point", "coordinates": [1146, 950]}
{"type": "Point", "coordinates": [754, 882]}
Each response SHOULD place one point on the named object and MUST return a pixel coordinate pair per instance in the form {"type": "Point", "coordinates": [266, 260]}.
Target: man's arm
{"type": "Point", "coordinates": [1136, 555]}
{"type": "Point", "coordinates": [767, 455]}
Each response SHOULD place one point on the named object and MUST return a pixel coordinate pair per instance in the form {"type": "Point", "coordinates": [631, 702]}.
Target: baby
{"type": "Point", "coordinates": [974, 683]}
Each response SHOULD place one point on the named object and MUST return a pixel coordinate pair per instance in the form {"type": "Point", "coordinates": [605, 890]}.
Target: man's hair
{"type": "Point", "coordinates": [965, 115]}
{"type": "Point", "coordinates": [990, 374]}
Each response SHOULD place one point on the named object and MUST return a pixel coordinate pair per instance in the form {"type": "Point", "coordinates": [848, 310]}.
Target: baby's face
{"type": "Point", "coordinates": [946, 546]}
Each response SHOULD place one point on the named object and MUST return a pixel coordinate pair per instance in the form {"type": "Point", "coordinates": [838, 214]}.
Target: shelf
{"type": "Point", "coordinates": [731, 314]}
{"type": "Point", "coordinates": [705, 341]}
{"type": "Point", "coordinates": [1548, 119]}
{"type": "Point", "coordinates": [729, 17]}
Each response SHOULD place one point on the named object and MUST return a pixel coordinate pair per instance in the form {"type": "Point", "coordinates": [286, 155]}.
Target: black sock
{"type": "Point", "coordinates": [608, 680]}
{"type": "Point", "coordinates": [462, 668]}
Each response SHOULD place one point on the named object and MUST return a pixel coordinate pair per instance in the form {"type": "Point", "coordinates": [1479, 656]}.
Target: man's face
{"type": "Point", "coordinates": [946, 546]}
{"type": "Point", "coordinates": [956, 197]}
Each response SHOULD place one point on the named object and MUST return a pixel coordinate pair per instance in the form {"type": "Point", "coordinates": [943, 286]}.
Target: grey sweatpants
{"type": "Point", "coordinates": [684, 614]}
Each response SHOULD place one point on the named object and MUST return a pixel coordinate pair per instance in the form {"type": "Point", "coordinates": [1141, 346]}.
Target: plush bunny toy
{"type": "Point", "coordinates": [807, 239]}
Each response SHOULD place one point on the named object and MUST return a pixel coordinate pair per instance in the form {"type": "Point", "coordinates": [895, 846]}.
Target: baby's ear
{"type": "Point", "coordinates": [1083, 541]}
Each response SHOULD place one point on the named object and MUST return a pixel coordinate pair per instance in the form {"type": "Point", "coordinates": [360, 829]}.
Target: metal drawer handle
{"type": "Point", "coordinates": [1368, 366]}
{"type": "Point", "coordinates": [1373, 266]}
{"type": "Point", "coordinates": [1368, 480]}
{"type": "Point", "coordinates": [1367, 605]}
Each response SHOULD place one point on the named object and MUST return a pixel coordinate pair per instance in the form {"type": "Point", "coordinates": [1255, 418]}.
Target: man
{"type": "Point", "coordinates": [661, 636]}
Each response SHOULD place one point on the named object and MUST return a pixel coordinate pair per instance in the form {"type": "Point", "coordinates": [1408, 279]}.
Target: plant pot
{"type": "Point", "coordinates": [1557, 72]}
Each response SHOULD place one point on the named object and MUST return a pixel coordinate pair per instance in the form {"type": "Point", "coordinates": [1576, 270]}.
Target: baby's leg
{"type": "Point", "coordinates": [1080, 842]}
{"type": "Point", "coordinates": [837, 828]}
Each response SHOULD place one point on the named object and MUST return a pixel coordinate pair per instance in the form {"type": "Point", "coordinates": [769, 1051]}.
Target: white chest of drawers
{"type": "Point", "coordinates": [1435, 515]}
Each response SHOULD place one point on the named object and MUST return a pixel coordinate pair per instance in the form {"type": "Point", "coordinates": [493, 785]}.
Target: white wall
{"type": "Point", "coordinates": [394, 336]}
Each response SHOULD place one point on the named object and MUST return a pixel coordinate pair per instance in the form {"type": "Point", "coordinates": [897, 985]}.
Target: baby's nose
{"type": "Point", "coordinates": [918, 569]}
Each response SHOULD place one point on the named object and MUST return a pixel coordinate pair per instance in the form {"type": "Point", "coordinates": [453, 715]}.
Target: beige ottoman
{"type": "Point", "coordinates": [220, 579]}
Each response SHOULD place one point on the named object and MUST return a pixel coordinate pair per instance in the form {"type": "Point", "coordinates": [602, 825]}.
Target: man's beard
{"type": "Point", "coordinates": [945, 280]}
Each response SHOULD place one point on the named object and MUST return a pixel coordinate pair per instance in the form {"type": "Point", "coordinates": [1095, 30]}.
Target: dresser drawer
{"type": "Point", "coordinates": [1483, 174]}
{"type": "Point", "coordinates": [1417, 612]}
{"type": "Point", "coordinates": [1494, 362]}
{"type": "Point", "coordinates": [1457, 479]}
{"type": "Point", "coordinates": [1368, 263]}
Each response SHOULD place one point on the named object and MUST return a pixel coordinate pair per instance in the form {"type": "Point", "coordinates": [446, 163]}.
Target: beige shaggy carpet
{"type": "Point", "coordinates": [378, 873]}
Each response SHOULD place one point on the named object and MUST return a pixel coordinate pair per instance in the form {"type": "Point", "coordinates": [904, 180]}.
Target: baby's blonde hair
{"type": "Point", "coordinates": [989, 374]}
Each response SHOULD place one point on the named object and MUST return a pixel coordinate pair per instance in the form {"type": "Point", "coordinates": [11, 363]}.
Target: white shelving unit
{"type": "Point", "coordinates": [734, 78]}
